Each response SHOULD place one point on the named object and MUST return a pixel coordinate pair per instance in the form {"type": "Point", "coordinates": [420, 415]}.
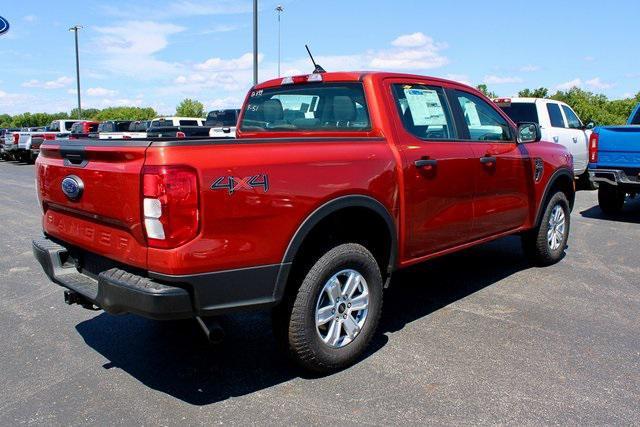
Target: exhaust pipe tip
{"type": "Point", "coordinates": [212, 329]}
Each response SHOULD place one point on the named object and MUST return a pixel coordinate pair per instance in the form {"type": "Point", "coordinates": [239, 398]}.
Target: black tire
{"type": "Point", "coordinates": [610, 199]}
{"type": "Point", "coordinates": [296, 322]}
{"type": "Point", "coordinates": [535, 243]}
{"type": "Point", "coordinates": [584, 183]}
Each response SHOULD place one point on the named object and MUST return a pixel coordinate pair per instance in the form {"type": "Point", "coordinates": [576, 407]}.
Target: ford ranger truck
{"type": "Point", "coordinates": [304, 214]}
{"type": "Point", "coordinates": [614, 162]}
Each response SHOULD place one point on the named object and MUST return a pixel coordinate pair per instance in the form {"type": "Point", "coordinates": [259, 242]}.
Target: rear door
{"type": "Point", "coordinates": [578, 139]}
{"type": "Point", "coordinates": [500, 166]}
{"type": "Point", "coordinates": [436, 168]}
{"type": "Point", "coordinates": [91, 196]}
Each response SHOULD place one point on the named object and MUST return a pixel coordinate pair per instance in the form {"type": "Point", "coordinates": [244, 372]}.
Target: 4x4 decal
{"type": "Point", "coordinates": [233, 183]}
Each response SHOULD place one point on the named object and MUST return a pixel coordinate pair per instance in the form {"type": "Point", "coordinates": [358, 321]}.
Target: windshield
{"type": "Point", "coordinates": [522, 112]}
{"type": "Point", "coordinates": [636, 118]}
{"type": "Point", "coordinates": [316, 106]}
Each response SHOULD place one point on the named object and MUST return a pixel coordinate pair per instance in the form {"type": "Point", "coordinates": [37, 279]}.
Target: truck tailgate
{"type": "Point", "coordinates": [105, 217]}
{"type": "Point", "coordinates": [619, 147]}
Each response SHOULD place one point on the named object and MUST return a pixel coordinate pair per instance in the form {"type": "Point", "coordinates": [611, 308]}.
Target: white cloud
{"type": "Point", "coordinates": [597, 83]}
{"type": "Point", "coordinates": [30, 18]}
{"type": "Point", "coordinates": [222, 28]}
{"type": "Point", "coordinates": [570, 84]}
{"type": "Point", "coordinates": [412, 40]}
{"type": "Point", "coordinates": [100, 91]}
{"type": "Point", "coordinates": [412, 52]}
{"type": "Point", "coordinates": [217, 64]}
{"type": "Point", "coordinates": [460, 78]}
{"type": "Point", "coordinates": [130, 47]}
{"type": "Point", "coordinates": [58, 83]}
{"type": "Point", "coordinates": [497, 80]}
{"type": "Point", "coordinates": [182, 8]}
{"type": "Point", "coordinates": [226, 102]}
{"type": "Point", "coordinates": [529, 68]}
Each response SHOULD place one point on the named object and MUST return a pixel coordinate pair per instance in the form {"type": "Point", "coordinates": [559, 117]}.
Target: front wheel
{"type": "Point", "coordinates": [336, 310]}
{"type": "Point", "coordinates": [546, 243]}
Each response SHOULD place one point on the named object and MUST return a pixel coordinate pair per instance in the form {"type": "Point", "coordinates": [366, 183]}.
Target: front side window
{"type": "Point", "coordinates": [482, 120]}
{"type": "Point", "coordinates": [555, 115]}
{"type": "Point", "coordinates": [572, 120]}
{"type": "Point", "coordinates": [311, 107]}
{"type": "Point", "coordinates": [424, 111]}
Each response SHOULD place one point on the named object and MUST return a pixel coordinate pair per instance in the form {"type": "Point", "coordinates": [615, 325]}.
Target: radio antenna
{"type": "Point", "coordinates": [316, 68]}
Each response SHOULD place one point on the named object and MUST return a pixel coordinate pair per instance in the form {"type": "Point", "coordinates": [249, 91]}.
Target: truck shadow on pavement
{"type": "Point", "coordinates": [630, 213]}
{"type": "Point", "coordinates": [173, 357]}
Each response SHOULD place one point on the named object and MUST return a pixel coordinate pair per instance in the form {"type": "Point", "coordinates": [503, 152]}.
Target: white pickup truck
{"type": "Point", "coordinates": [29, 140]}
{"type": "Point", "coordinates": [123, 129]}
{"type": "Point", "coordinates": [223, 123]}
{"type": "Point", "coordinates": [558, 123]}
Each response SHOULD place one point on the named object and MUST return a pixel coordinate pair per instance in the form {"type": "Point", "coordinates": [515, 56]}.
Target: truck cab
{"type": "Point", "coordinates": [559, 124]}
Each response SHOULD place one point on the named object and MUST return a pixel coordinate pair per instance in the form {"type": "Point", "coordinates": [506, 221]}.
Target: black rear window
{"type": "Point", "coordinates": [222, 118]}
{"type": "Point", "coordinates": [122, 126]}
{"type": "Point", "coordinates": [522, 112]}
{"type": "Point", "coordinates": [313, 106]}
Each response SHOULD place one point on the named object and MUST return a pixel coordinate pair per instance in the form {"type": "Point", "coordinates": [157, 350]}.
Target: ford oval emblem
{"type": "Point", "coordinates": [4, 25]}
{"type": "Point", "coordinates": [72, 187]}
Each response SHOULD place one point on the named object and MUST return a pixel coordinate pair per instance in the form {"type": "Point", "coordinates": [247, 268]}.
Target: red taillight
{"type": "Point", "coordinates": [49, 137]}
{"type": "Point", "coordinates": [593, 148]}
{"type": "Point", "coordinates": [126, 136]}
{"type": "Point", "coordinates": [170, 205]}
{"type": "Point", "coordinates": [180, 135]}
{"type": "Point", "coordinates": [16, 137]}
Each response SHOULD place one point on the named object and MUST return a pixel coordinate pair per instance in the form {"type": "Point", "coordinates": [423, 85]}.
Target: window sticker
{"type": "Point", "coordinates": [425, 106]}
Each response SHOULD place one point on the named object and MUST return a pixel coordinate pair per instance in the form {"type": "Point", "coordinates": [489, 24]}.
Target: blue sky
{"type": "Point", "coordinates": [155, 53]}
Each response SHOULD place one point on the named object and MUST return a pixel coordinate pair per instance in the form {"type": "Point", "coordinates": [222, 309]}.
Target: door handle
{"type": "Point", "coordinates": [575, 139]}
{"type": "Point", "coordinates": [488, 160]}
{"type": "Point", "coordinates": [426, 163]}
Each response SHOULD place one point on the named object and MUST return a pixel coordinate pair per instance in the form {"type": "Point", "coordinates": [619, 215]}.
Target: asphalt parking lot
{"type": "Point", "coordinates": [478, 337]}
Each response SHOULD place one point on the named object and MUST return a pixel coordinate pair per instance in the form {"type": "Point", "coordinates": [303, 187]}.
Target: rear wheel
{"type": "Point", "coordinates": [334, 314]}
{"type": "Point", "coordinates": [546, 243]}
{"type": "Point", "coordinates": [610, 199]}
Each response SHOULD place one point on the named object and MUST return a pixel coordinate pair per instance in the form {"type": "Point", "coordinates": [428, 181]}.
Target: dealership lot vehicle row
{"type": "Point", "coordinates": [497, 341]}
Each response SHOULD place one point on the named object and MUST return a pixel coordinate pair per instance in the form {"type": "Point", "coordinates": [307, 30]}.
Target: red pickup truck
{"type": "Point", "coordinates": [334, 181]}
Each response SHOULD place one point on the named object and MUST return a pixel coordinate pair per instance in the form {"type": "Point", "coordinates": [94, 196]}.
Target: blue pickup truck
{"type": "Point", "coordinates": [614, 162]}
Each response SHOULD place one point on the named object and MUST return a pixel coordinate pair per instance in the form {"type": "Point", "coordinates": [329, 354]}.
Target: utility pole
{"type": "Point", "coordinates": [255, 42]}
{"type": "Point", "coordinates": [279, 9]}
{"type": "Point", "coordinates": [75, 30]}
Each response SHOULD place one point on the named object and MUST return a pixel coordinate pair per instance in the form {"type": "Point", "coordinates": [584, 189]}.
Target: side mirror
{"type": "Point", "coordinates": [528, 132]}
{"type": "Point", "coordinates": [590, 126]}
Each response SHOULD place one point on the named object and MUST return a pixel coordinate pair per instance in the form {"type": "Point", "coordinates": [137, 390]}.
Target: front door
{"type": "Point", "coordinates": [439, 184]}
{"type": "Point", "coordinates": [501, 166]}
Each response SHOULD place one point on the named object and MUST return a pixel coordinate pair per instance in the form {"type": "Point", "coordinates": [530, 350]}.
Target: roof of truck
{"type": "Point", "coordinates": [342, 76]}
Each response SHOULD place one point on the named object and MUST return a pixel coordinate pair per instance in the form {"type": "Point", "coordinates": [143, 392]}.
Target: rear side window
{"type": "Point", "coordinates": [424, 111]}
{"type": "Point", "coordinates": [572, 120]}
{"type": "Point", "coordinates": [313, 106]}
{"type": "Point", "coordinates": [555, 115]}
{"type": "Point", "coordinates": [482, 120]}
{"type": "Point", "coordinates": [522, 112]}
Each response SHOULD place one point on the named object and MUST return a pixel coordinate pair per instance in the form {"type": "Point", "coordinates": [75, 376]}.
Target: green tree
{"type": "Point", "coordinates": [125, 113]}
{"type": "Point", "coordinates": [486, 92]}
{"type": "Point", "coordinates": [190, 108]}
{"type": "Point", "coordinates": [87, 113]}
{"type": "Point", "coordinates": [541, 92]}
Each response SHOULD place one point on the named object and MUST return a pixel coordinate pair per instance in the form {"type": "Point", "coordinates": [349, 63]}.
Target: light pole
{"type": "Point", "coordinates": [279, 9]}
{"type": "Point", "coordinates": [255, 42]}
{"type": "Point", "coordinates": [75, 30]}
